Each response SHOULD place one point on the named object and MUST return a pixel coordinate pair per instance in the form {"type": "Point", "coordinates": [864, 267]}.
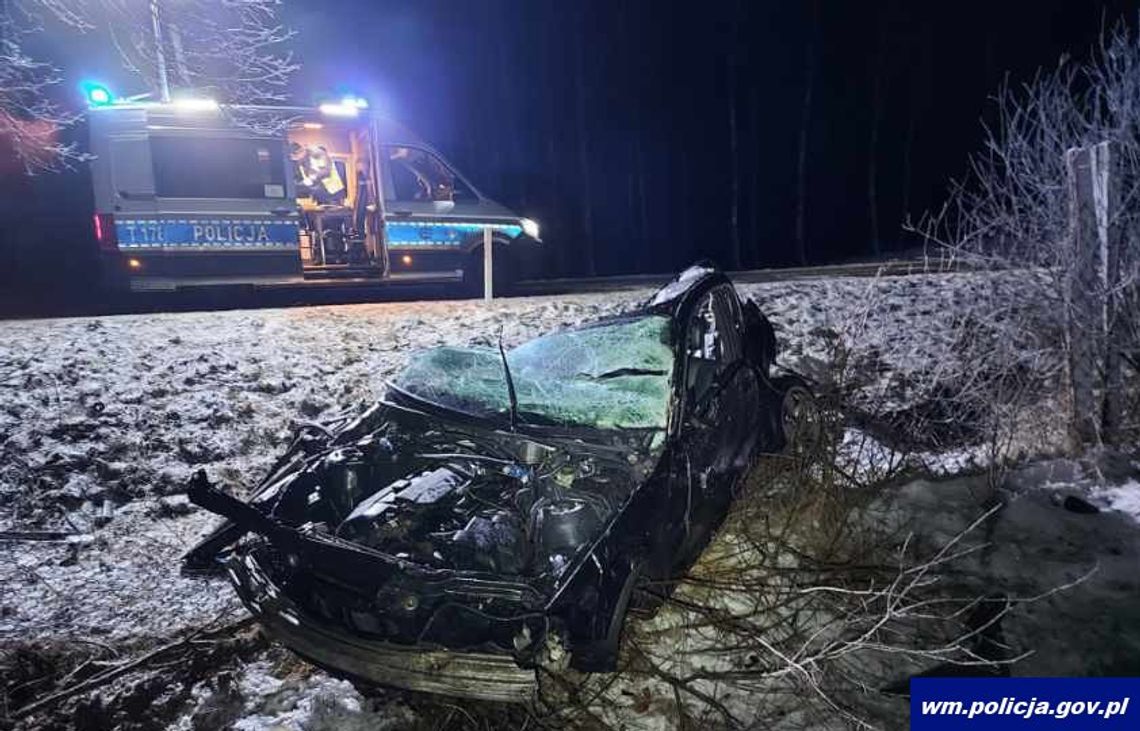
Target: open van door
{"type": "Point", "coordinates": [333, 163]}
{"type": "Point", "coordinates": [436, 222]}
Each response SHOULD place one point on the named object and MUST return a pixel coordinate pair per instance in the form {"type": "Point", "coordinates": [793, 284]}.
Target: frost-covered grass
{"type": "Point", "coordinates": [124, 409]}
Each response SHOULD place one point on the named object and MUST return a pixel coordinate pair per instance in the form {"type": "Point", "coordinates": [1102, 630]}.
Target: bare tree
{"type": "Point", "coordinates": [879, 72]}
{"type": "Point", "coordinates": [30, 121]}
{"type": "Point", "coordinates": [233, 50]}
{"type": "Point", "coordinates": [583, 139]}
{"type": "Point", "coordinates": [732, 62]}
{"type": "Point", "coordinates": [804, 134]}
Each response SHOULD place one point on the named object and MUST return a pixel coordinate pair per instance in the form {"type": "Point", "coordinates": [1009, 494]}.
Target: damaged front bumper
{"type": "Point", "coordinates": [481, 675]}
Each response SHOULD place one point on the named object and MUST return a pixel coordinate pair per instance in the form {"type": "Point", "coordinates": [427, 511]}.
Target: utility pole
{"type": "Point", "coordinates": [159, 54]}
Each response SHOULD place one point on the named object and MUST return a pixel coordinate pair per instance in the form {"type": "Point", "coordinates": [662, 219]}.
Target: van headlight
{"type": "Point", "coordinates": [529, 227]}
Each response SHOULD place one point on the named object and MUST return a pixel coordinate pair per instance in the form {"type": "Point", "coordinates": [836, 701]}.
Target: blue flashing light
{"type": "Point", "coordinates": [97, 95]}
{"type": "Point", "coordinates": [354, 101]}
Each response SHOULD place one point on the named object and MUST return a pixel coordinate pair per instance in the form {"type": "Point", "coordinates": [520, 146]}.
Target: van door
{"type": "Point", "coordinates": [432, 217]}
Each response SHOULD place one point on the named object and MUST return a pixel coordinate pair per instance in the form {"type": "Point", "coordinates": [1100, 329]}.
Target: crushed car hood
{"type": "Point", "coordinates": [404, 515]}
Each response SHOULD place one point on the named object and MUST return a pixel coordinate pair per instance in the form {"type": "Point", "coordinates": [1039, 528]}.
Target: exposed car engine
{"type": "Point", "coordinates": [435, 502]}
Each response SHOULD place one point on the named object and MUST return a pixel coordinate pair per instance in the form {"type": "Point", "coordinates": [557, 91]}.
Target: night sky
{"type": "Point", "coordinates": [612, 123]}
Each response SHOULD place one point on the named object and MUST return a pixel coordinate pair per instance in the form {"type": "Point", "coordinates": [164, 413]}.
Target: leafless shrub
{"type": "Point", "coordinates": [956, 379]}
{"type": "Point", "coordinates": [1013, 210]}
{"type": "Point", "coordinates": [812, 606]}
{"type": "Point", "coordinates": [798, 612]}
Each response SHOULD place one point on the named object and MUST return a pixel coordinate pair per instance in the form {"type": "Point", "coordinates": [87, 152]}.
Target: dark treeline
{"type": "Point", "coordinates": [643, 135]}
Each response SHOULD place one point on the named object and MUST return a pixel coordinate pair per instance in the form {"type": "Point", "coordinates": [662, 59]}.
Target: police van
{"type": "Point", "coordinates": [191, 193]}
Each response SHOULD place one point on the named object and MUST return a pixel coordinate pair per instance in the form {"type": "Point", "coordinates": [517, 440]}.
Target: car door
{"type": "Point", "coordinates": [721, 415]}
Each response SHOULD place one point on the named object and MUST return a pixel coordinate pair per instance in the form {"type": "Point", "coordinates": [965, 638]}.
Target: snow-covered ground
{"type": "Point", "coordinates": [122, 411]}
{"type": "Point", "coordinates": [111, 416]}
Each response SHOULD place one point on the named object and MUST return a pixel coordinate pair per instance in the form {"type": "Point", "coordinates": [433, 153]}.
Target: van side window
{"type": "Point", "coordinates": [218, 167]}
{"type": "Point", "coordinates": [131, 169]}
{"type": "Point", "coordinates": [418, 176]}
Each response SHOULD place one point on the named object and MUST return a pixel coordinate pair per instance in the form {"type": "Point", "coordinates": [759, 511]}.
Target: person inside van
{"type": "Point", "coordinates": [317, 177]}
{"type": "Point", "coordinates": [432, 181]}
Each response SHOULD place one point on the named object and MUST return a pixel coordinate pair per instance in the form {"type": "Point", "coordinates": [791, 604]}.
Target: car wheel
{"type": "Point", "coordinates": [798, 422]}
{"type": "Point", "coordinates": [621, 611]}
{"type": "Point", "coordinates": [646, 602]}
{"type": "Point", "coordinates": [601, 656]}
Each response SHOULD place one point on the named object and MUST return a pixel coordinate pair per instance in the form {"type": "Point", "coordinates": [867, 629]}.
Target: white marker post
{"type": "Point", "coordinates": [488, 266]}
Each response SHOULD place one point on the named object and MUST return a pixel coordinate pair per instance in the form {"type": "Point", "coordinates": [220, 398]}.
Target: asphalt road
{"type": "Point", "coordinates": [56, 303]}
{"type": "Point", "coordinates": [611, 284]}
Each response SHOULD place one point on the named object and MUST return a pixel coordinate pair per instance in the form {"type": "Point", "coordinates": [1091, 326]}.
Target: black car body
{"type": "Point", "coordinates": [498, 510]}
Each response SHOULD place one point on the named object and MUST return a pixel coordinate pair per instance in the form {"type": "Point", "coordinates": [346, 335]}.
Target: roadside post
{"type": "Point", "coordinates": [488, 266]}
{"type": "Point", "coordinates": [1091, 292]}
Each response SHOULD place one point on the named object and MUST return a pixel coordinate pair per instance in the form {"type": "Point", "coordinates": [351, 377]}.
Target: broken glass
{"type": "Point", "coordinates": [612, 375]}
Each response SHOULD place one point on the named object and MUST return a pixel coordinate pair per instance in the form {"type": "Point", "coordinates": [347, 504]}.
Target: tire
{"type": "Point", "coordinates": [601, 656]}
{"type": "Point", "coordinates": [799, 426]}
{"type": "Point", "coordinates": [645, 603]}
{"type": "Point", "coordinates": [621, 610]}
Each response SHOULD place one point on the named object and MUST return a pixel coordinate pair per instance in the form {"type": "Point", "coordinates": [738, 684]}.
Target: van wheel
{"type": "Point", "coordinates": [473, 273]}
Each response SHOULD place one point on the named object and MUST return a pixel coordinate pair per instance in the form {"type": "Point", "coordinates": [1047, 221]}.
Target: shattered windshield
{"type": "Point", "coordinates": [612, 375]}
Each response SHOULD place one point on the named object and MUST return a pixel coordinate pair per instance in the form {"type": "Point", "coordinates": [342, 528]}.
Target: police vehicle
{"type": "Point", "coordinates": [191, 193]}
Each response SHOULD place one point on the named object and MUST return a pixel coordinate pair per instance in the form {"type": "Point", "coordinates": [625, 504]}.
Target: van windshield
{"type": "Point", "coordinates": [607, 376]}
{"type": "Point", "coordinates": [211, 167]}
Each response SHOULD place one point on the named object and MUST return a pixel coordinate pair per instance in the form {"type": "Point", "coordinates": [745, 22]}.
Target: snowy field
{"type": "Point", "coordinates": [103, 420]}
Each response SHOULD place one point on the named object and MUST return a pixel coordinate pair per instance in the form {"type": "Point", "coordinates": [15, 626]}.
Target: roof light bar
{"type": "Point", "coordinates": [339, 110]}
{"type": "Point", "coordinates": [195, 104]}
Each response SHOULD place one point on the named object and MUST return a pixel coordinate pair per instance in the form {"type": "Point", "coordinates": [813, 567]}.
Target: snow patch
{"type": "Point", "coordinates": [1123, 498]}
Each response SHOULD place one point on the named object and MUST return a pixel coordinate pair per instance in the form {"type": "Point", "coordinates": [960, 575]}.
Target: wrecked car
{"type": "Point", "coordinates": [500, 510]}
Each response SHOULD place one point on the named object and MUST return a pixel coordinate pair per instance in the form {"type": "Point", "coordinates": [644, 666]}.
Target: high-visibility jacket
{"type": "Point", "coordinates": [332, 182]}
{"type": "Point", "coordinates": [329, 178]}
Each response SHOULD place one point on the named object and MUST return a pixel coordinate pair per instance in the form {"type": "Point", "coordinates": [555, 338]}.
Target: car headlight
{"type": "Point", "coordinates": [529, 227]}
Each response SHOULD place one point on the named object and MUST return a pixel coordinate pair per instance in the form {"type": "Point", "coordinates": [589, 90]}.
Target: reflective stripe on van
{"type": "Point", "coordinates": [215, 233]}
{"type": "Point", "coordinates": [440, 233]}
